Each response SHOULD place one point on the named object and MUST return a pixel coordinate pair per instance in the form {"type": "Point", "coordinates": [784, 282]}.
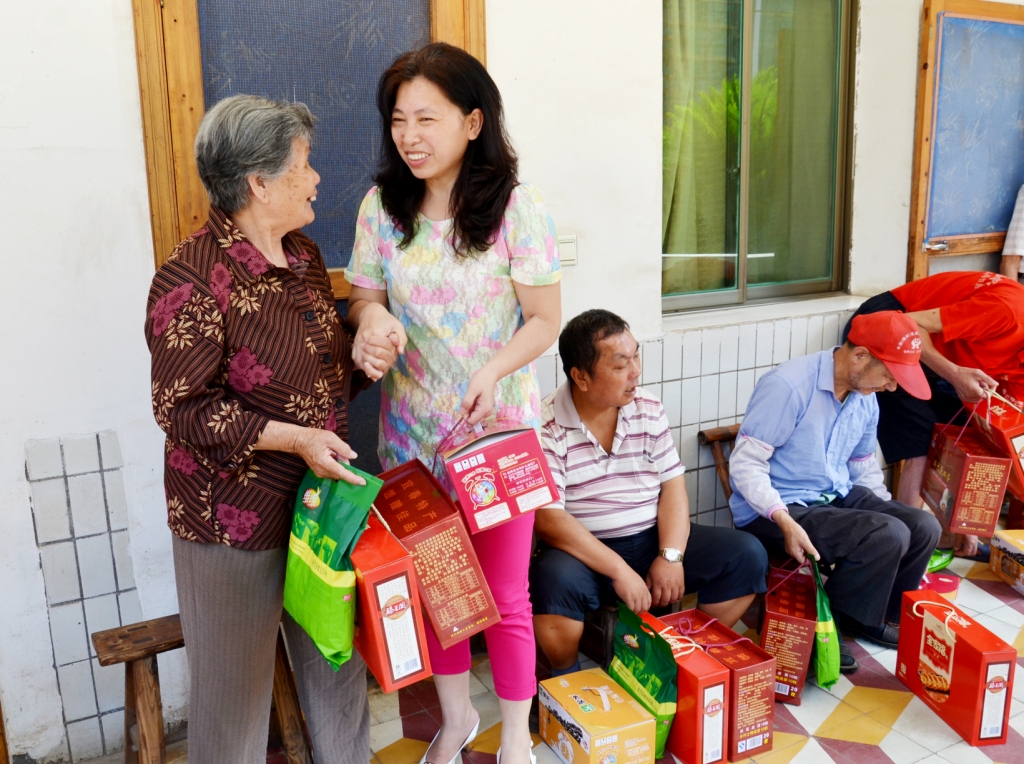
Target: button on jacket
{"type": "Point", "coordinates": [237, 342]}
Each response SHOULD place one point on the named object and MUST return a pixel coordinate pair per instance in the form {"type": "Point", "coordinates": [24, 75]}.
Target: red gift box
{"type": "Point", "coordinates": [751, 711]}
{"type": "Point", "coordinates": [702, 714]}
{"type": "Point", "coordinates": [452, 586]}
{"type": "Point", "coordinates": [790, 618]}
{"type": "Point", "coordinates": [389, 629]}
{"type": "Point", "coordinates": [1003, 427]}
{"type": "Point", "coordinates": [960, 669]}
{"type": "Point", "coordinates": [965, 480]}
{"type": "Point", "coordinates": [498, 474]}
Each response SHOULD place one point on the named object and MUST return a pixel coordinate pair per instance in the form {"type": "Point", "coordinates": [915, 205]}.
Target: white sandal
{"type": "Point", "coordinates": [458, 753]}
{"type": "Point", "coordinates": [533, 757]}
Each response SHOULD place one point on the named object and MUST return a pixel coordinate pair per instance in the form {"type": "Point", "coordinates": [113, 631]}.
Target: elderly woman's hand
{"type": "Point", "coordinates": [319, 449]}
{"type": "Point", "coordinates": [379, 340]}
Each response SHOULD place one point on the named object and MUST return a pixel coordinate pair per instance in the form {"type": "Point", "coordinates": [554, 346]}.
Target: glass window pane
{"type": "Point", "coordinates": [793, 118]}
{"type": "Point", "coordinates": [700, 194]}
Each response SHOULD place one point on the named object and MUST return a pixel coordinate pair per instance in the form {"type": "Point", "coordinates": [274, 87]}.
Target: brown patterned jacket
{"type": "Point", "coordinates": [237, 342]}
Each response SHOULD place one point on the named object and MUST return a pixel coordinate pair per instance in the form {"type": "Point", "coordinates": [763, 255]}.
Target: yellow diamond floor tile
{"type": "Point", "coordinates": [868, 717]}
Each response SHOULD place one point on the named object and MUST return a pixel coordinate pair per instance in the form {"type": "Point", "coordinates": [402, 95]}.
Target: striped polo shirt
{"type": "Point", "coordinates": [614, 494]}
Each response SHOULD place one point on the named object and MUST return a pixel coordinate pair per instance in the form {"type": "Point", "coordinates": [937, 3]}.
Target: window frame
{"type": "Point", "coordinates": [743, 294]}
{"type": "Point", "coordinates": [171, 94]}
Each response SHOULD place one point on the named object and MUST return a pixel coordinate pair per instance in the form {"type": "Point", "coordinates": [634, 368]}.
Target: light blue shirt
{"type": "Point", "coordinates": [813, 443]}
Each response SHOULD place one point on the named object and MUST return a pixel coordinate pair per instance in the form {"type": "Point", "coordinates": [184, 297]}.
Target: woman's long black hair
{"type": "Point", "coordinates": [489, 168]}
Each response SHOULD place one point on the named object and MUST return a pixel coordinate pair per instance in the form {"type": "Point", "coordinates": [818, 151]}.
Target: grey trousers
{"type": "Point", "coordinates": [879, 549]}
{"type": "Point", "coordinates": [230, 605]}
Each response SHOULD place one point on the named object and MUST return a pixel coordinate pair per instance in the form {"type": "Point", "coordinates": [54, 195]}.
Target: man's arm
{"type": "Point", "coordinates": [666, 579]}
{"type": "Point", "coordinates": [558, 529]}
{"type": "Point", "coordinates": [970, 384]}
{"type": "Point", "coordinates": [1009, 266]}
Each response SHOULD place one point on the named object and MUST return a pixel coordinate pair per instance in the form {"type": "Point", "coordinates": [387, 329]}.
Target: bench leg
{"type": "Point", "coordinates": [286, 706]}
{"type": "Point", "coordinates": [148, 710]}
{"type": "Point", "coordinates": [131, 756]}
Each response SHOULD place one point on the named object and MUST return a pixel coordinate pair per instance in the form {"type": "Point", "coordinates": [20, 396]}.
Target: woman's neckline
{"type": "Point", "coordinates": [434, 222]}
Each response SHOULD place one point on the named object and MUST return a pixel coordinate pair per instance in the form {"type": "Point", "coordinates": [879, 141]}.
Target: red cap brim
{"type": "Point", "coordinates": [911, 378]}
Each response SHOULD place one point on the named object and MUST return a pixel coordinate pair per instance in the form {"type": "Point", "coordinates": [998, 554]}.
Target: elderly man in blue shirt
{"type": "Point", "coordinates": [805, 478]}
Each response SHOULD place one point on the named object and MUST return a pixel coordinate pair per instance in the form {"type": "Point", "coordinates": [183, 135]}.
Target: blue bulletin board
{"type": "Point", "coordinates": [328, 54]}
{"type": "Point", "coordinates": [977, 159]}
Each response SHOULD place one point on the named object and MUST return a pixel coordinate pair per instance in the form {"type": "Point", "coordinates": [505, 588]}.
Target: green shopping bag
{"type": "Point", "coordinates": [644, 666]}
{"type": "Point", "coordinates": [826, 638]}
{"type": "Point", "coordinates": [320, 584]}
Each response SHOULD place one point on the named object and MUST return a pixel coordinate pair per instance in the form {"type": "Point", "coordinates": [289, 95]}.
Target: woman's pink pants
{"type": "Point", "coordinates": [504, 554]}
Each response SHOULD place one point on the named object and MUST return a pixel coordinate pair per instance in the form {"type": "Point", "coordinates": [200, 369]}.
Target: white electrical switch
{"type": "Point", "coordinates": [567, 249]}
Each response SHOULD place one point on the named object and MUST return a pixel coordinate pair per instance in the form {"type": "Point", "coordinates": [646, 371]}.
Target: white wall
{"type": "Point", "coordinates": [78, 258]}
{"type": "Point", "coordinates": [581, 84]}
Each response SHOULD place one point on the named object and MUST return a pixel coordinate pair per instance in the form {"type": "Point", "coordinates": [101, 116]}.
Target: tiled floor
{"type": "Point", "coordinates": [868, 717]}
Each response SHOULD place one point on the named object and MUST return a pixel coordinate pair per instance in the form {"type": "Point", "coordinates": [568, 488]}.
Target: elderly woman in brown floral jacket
{"type": "Point", "coordinates": [251, 374]}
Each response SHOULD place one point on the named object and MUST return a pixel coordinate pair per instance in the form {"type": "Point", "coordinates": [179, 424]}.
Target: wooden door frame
{"type": "Point", "coordinates": [171, 91]}
{"type": "Point", "coordinates": [924, 127]}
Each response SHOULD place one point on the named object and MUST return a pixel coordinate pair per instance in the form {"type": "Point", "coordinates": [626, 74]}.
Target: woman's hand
{"type": "Point", "coordinates": [379, 341]}
{"type": "Point", "coordinates": [478, 401]}
{"type": "Point", "coordinates": [319, 449]}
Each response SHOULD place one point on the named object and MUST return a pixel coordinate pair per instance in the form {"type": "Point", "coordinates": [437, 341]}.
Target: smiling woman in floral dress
{"type": "Point", "coordinates": [251, 375]}
{"type": "Point", "coordinates": [455, 263]}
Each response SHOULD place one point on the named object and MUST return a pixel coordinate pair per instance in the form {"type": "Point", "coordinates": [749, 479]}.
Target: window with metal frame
{"type": "Point", "coordinates": [754, 149]}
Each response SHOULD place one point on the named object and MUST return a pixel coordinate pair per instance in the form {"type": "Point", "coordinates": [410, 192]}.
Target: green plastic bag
{"type": "Point", "coordinates": [320, 584]}
{"type": "Point", "coordinates": [644, 666]}
{"type": "Point", "coordinates": [826, 638]}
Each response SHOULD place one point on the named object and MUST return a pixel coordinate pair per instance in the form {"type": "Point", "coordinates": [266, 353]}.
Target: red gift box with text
{"type": "Point", "coordinates": [751, 711]}
{"type": "Point", "coordinates": [960, 669]}
{"type": "Point", "coordinates": [389, 634]}
{"type": "Point", "coordinates": [1003, 427]}
{"type": "Point", "coordinates": [698, 734]}
{"type": "Point", "coordinates": [499, 473]}
{"type": "Point", "coordinates": [790, 618]}
{"type": "Point", "coordinates": [452, 587]}
{"type": "Point", "coordinates": [965, 480]}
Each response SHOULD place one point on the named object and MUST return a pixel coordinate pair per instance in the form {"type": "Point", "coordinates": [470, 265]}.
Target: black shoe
{"type": "Point", "coordinates": [847, 663]}
{"type": "Point", "coordinates": [982, 555]}
{"type": "Point", "coordinates": [886, 635]}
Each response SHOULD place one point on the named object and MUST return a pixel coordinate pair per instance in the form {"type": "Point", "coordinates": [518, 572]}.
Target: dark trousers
{"type": "Point", "coordinates": [877, 549]}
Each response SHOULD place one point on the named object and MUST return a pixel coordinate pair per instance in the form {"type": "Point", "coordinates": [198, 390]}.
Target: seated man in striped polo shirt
{"type": "Point", "coordinates": [620, 526]}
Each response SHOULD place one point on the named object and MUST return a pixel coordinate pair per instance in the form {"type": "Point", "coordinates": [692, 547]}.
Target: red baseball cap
{"type": "Point", "coordinates": [894, 339]}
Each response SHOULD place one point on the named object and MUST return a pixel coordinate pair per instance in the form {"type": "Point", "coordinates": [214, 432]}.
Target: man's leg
{"type": "Point", "coordinates": [911, 478]}
{"type": "Point", "coordinates": [726, 568]}
{"type": "Point", "coordinates": [923, 530]}
{"type": "Point", "coordinates": [562, 590]}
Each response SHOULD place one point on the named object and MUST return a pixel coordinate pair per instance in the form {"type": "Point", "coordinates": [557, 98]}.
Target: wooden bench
{"type": "Point", "coordinates": [137, 646]}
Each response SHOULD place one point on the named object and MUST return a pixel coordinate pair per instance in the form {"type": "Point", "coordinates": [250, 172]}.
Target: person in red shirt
{"type": "Point", "coordinates": [972, 330]}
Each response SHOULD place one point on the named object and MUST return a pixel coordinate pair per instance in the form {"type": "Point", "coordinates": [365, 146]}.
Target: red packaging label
{"type": "Point", "coordinates": [499, 475]}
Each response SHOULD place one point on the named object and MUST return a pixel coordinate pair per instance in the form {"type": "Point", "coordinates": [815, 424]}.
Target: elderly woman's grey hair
{"type": "Point", "coordinates": [247, 135]}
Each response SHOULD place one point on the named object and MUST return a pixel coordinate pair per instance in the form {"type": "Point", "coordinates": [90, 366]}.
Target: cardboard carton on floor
{"type": "Point", "coordinates": [587, 718]}
{"type": "Point", "coordinates": [1007, 558]}
{"type": "Point", "coordinates": [751, 681]}
{"type": "Point", "coordinates": [960, 669]}
{"type": "Point", "coordinates": [389, 634]}
{"type": "Point", "coordinates": [498, 474]}
{"type": "Point", "coordinates": [965, 480]}
{"type": "Point", "coordinates": [1003, 427]}
{"type": "Point", "coordinates": [452, 586]}
{"type": "Point", "coordinates": [698, 734]}
{"type": "Point", "coordinates": [791, 616]}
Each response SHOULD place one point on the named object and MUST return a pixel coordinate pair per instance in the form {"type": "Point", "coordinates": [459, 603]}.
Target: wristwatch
{"type": "Point", "coordinates": [672, 555]}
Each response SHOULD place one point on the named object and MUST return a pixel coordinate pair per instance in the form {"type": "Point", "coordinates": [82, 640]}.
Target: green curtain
{"type": "Point", "coordinates": [700, 108]}
{"type": "Point", "coordinates": [793, 104]}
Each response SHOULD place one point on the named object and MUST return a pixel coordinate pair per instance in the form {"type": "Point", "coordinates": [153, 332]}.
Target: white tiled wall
{"type": "Point", "coordinates": [704, 378]}
{"type": "Point", "coordinates": [81, 521]}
